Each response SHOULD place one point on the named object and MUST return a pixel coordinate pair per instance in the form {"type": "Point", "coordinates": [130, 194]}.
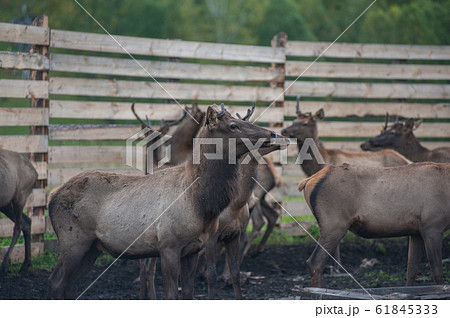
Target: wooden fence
{"type": "Point", "coordinates": [81, 86]}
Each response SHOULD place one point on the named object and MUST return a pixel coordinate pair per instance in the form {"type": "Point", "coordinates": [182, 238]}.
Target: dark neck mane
{"type": "Point", "coordinates": [310, 167]}
{"type": "Point", "coordinates": [217, 182]}
{"type": "Point", "coordinates": [413, 150]}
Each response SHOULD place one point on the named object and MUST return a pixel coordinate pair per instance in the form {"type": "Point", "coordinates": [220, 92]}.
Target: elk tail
{"type": "Point", "coordinates": [302, 184]}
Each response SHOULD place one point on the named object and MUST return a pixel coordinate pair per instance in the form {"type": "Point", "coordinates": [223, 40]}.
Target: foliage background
{"type": "Point", "coordinates": [247, 21]}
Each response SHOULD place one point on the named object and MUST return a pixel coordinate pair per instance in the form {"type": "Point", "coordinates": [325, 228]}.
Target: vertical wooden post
{"type": "Point", "coordinates": [279, 40]}
{"type": "Point", "coordinates": [39, 102]}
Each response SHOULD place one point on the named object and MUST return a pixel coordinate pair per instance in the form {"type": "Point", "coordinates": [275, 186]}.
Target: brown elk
{"type": "Point", "coordinates": [17, 179]}
{"type": "Point", "coordinates": [305, 126]}
{"type": "Point", "coordinates": [99, 211]}
{"type": "Point", "coordinates": [400, 137]}
{"type": "Point", "coordinates": [372, 202]}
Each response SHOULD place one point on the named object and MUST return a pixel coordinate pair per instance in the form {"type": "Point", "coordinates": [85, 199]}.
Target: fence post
{"type": "Point", "coordinates": [279, 40]}
{"type": "Point", "coordinates": [39, 130]}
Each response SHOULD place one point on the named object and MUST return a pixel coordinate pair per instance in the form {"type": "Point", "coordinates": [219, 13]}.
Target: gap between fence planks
{"type": "Point", "coordinates": [344, 109]}
{"type": "Point", "coordinates": [166, 48]}
{"type": "Point", "coordinates": [24, 116]}
{"type": "Point", "coordinates": [19, 33]}
{"type": "Point", "coordinates": [373, 70]}
{"type": "Point", "coordinates": [23, 61]}
{"type": "Point", "coordinates": [150, 89]}
{"type": "Point", "coordinates": [368, 90]}
{"type": "Point", "coordinates": [113, 110]}
{"type": "Point", "coordinates": [23, 88]}
{"type": "Point", "coordinates": [161, 69]}
{"type": "Point", "coordinates": [369, 51]}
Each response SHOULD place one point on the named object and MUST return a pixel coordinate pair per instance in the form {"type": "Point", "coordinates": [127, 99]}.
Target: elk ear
{"type": "Point", "coordinates": [409, 125]}
{"type": "Point", "coordinates": [211, 116]}
{"type": "Point", "coordinates": [320, 114]}
{"type": "Point", "coordinates": [417, 124]}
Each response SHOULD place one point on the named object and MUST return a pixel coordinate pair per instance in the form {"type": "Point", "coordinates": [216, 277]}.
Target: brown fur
{"type": "Point", "coordinates": [372, 202]}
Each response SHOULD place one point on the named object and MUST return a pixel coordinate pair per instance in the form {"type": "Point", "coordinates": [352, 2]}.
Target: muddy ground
{"type": "Point", "coordinates": [276, 273]}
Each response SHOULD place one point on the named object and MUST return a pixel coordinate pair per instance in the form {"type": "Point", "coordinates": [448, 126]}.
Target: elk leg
{"type": "Point", "coordinates": [415, 253]}
{"type": "Point", "coordinates": [232, 248]}
{"type": "Point", "coordinates": [329, 239]}
{"type": "Point", "coordinates": [257, 222]}
{"type": "Point", "coordinates": [188, 269]}
{"type": "Point", "coordinates": [26, 228]}
{"type": "Point", "coordinates": [147, 278]}
{"type": "Point", "coordinates": [211, 270]}
{"type": "Point", "coordinates": [272, 217]}
{"type": "Point", "coordinates": [433, 247]}
{"type": "Point", "coordinates": [9, 211]}
{"type": "Point", "coordinates": [170, 267]}
{"type": "Point", "coordinates": [83, 269]}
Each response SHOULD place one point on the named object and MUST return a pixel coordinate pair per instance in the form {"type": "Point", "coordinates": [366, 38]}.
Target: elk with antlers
{"type": "Point", "coordinates": [400, 137]}
{"type": "Point", "coordinates": [170, 214]}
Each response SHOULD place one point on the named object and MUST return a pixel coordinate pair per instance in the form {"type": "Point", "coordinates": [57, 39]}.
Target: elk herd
{"type": "Point", "coordinates": [185, 213]}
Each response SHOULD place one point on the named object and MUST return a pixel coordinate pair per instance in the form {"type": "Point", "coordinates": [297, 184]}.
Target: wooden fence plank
{"type": "Point", "coordinates": [112, 88]}
{"type": "Point", "coordinates": [296, 208]}
{"type": "Point", "coordinates": [112, 110]}
{"type": "Point", "coordinates": [48, 225]}
{"type": "Point", "coordinates": [77, 132]}
{"type": "Point", "coordinates": [162, 69]}
{"type": "Point", "coordinates": [23, 88]}
{"type": "Point", "coordinates": [59, 176]}
{"type": "Point", "coordinates": [373, 70]}
{"type": "Point", "coordinates": [38, 197]}
{"type": "Point", "coordinates": [343, 109]}
{"type": "Point", "coordinates": [23, 61]}
{"type": "Point", "coordinates": [18, 254]}
{"type": "Point", "coordinates": [77, 154]}
{"type": "Point", "coordinates": [41, 168]}
{"type": "Point", "coordinates": [167, 48]}
{"type": "Point", "coordinates": [368, 90]}
{"type": "Point", "coordinates": [23, 116]}
{"type": "Point", "coordinates": [24, 143]}
{"type": "Point", "coordinates": [369, 51]}
{"type": "Point", "coordinates": [365, 129]}
{"type": "Point", "coordinates": [19, 33]}
{"type": "Point", "coordinates": [37, 226]}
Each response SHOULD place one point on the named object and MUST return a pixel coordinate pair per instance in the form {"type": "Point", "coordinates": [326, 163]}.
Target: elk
{"type": "Point", "coordinates": [17, 179]}
{"type": "Point", "coordinates": [305, 126]}
{"type": "Point", "coordinates": [176, 210]}
{"type": "Point", "coordinates": [400, 137]}
{"type": "Point", "coordinates": [373, 202]}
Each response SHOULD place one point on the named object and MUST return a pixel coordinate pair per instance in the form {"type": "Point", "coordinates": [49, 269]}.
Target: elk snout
{"type": "Point", "coordinates": [366, 146]}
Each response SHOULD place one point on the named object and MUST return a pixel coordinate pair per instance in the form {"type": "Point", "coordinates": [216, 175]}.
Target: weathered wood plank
{"type": "Point", "coordinates": [48, 225]}
{"type": "Point", "coordinates": [112, 88]}
{"type": "Point", "coordinates": [23, 61]}
{"type": "Point", "coordinates": [41, 168]}
{"type": "Point", "coordinates": [368, 90]}
{"type": "Point", "coordinates": [369, 129]}
{"type": "Point", "coordinates": [373, 70]}
{"type": "Point", "coordinates": [18, 254]}
{"type": "Point", "coordinates": [59, 176]}
{"type": "Point", "coordinates": [23, 88]}
{"type": "Point", "coordinates": [355, 145]}
{"type": "Point", "coordinates": [168, 48]}
{"type": "Point", "coordinates": [37, 226]}
{"type": "Point", "coordinates": [112, 110]}
{"type": "Point", "coordinates": [38, 197]}
{"type": "Point", "coordinates": [343, 109]}
{"type": "Point", "coordinates": [24, 143]}
{"type": "Point", "coordinates": [19, 33]}
{"type": "Point", "coordinates": [162, 69]}
{"type": "Point", "coordinates": [296, 208]}
{"type": "Point", "coordinates": [369, 51]}
{"type": "Point", "coordinates": [82, 154]}
{"type": "Point", "coordinates": [76, 132]}
{"type": "Point", "coordinates": [23, 116]}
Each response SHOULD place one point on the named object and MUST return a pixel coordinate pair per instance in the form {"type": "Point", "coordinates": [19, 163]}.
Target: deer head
{"type": "Point", "coordinates": [395, 137]}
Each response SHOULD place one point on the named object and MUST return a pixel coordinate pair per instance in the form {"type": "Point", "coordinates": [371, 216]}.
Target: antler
{"type": "Point", "coordinates": [143, 123]}
{"type": "Point", "coordinates": [297, 107]}
{"type": "Point", "coordinates": [386, 121]}
{"type": "Point", "coordinates": [222, 111]}
{"type": "Point", "coordinates": [249, 113]}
